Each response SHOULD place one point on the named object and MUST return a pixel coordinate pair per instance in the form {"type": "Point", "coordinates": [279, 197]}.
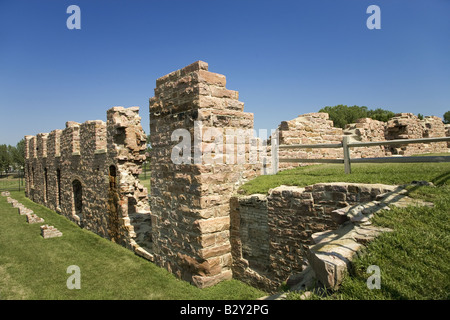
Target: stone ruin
{"type": "Point", "coordinates": [280, 236]}
{"type": "Point", "coordinates": [33, 218]}
{"type": "Point", "coordinates": [317, 128]}
{"type": "Point", "coordinates": [191, 223]}
{"type": "Point", "coordinates": [50, 232]}
{"type": "Point", "coordinates": [190, 202]}
{"type": "Point", "coordinates": [89, 173]}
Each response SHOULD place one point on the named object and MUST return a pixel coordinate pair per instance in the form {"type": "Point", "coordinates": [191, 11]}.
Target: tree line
{"type": "Point", "coordinates": [343, 115]}
{"type": "Point", "coordinates": [12, 157]}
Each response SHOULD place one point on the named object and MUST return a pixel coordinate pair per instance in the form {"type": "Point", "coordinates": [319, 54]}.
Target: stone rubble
{"type": "Point", "coordinates": [16, 204]}
{"type": "Point", "coordinates": [24, 211]}
{"type": "Point", "coordinates": [33, 218]}
{"type": "Point", "coordinates": [50, 232]}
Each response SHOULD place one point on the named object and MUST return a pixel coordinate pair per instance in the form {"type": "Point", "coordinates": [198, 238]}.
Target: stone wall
{"type": "Point", "coordinates": [190, 202]}
{"type": "Point", "coordinates": [447, 133]}
{"type": "Point", "coordinates": [310, 128]}
{"type": "Point", "coordinates": [409, 126]}
{"type": "Point", "coordinates": [283, 221]}
{"type": "Point", "coordinates": [365, 130]}
{"type": "Point", "coordinates": [88, 172]}
{"type": "Point", "coordinates": [316, 128]}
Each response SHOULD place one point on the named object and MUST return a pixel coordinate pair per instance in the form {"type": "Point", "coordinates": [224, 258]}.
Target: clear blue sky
{"type": "Point", "coordinates": [284, 57]}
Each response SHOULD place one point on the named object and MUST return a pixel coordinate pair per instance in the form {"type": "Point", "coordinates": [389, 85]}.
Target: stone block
{"type": "Point", "coordinates": [32, 218]}
{"type": "Point", "coordinates": [50, 232]}
{"type": "Point", "coordinates": [24, 211]}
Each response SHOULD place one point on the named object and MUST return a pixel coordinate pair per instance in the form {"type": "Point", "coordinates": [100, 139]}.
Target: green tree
{"type": "Point", "coordinates": [343, 115]}
{"type": "Point", "coordinates": [380, 114]}
{"type": "Point", "coordinates": [5, 158]}
{"type": "Point", "coordinates": [447, 117]}
{"type": "Point", "coordinates": [17, 154]}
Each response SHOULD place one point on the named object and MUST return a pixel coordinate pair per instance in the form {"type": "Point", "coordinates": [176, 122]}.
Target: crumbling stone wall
{"type": "Point", "coordinates": [190, 201]}
{"type": "Point", "coordinates": [365, 130]}
{"type": "Point", "coordinates": [288, 216]}
{"type": "Point", "coordinates": [409, 126]}
{"type": "Point", "coordinates": [447, 133]}
{"type": "Point", "coordinates": [69, 171]}
{"type": "Point", "coordinates": [310, 128]}
{"type": "Point", "coordinates": [316, 128]}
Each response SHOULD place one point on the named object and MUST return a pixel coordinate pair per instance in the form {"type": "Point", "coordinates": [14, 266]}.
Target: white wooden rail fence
{"type": "Point", "coordinates": [346, 145]}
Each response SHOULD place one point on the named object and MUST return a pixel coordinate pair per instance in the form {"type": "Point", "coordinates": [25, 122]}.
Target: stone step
{"type": "Point", "coordinates": [333, 252]}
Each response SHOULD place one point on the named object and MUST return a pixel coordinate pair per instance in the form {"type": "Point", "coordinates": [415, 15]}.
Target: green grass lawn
{"type": "Point", "coordinates": [414, 260]}
{"type": "Point", "coordinates": [10, 182]}
{"type": "Point", "coordinates": [35, 268]}
{"type": "Point", "coordinates": [393, 173]}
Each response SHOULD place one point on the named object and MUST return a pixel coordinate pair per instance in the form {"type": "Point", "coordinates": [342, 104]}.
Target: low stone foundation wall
{"type": "Point", "coordinates": [271, 234]}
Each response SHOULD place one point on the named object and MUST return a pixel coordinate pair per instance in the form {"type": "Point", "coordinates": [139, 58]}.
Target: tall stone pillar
{"type": "Point", "coordinates": [190, 201]}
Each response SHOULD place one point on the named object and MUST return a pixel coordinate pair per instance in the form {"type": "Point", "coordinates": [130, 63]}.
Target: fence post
{"type": "Point", "coordinates": [274, 148]}
{"type": "Point", "coordinates": [347, 165]}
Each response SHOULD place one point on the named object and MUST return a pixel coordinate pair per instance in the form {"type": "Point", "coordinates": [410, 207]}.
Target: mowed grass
{"type": "Point", "coordinates": [392, 173]}
{"type": "Point", "coordinates": [414, 259]}
{"type": "Point", "coordinates": [10, 182]}
{"type": "Point", "coordinates": [35, 268]}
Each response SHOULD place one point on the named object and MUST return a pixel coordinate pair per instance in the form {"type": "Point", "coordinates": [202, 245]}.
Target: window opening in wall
{"type": "Point", "coordinates": [58, 188]}
{"type": "Point", "coordinates": [113, 206]}
{"type": "Point", "coordinates": [32, 177]}
{"type": "Point", "coordinates": [112, 177]}
{"type": "Point", "coordinates": [77, 198]}
{"type": "Point", "coordinates": [45, 185]}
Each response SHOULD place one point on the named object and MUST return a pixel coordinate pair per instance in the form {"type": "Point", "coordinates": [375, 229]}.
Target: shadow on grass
{"type": "Point", "coordinates": [438, 181]}
{"type": "Point", "coordinates": [441, 179]}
